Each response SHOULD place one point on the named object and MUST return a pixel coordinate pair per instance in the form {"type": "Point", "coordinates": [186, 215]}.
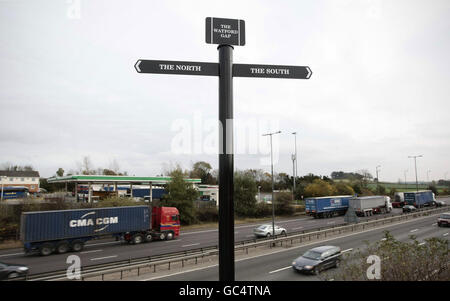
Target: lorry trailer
{"type": "Point", "coordinates": [369, 205]}
{"type": "Point", "coordinates": [420, 199]}
{"type": "Point", "coordinates": [327, 206]}
{"type": "Point", "coordinates": [61, 231]}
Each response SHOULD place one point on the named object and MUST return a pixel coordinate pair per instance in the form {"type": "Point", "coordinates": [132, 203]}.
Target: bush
{"type": "Point", "coordinates": [283, 204]}
{"type": "Point", "coordinates": [263, 210]}
{"type": "Point", "coordinates": [319, 188]}
{"type": "Point", "coordinates": [344, 189]}
{"type": "Point", "coordinates": [208, 214]}
{"type": "Point", "coordinates": [400, 261]}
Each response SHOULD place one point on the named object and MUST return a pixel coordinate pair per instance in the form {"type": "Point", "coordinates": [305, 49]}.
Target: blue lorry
{"type": "Point", "coordinates": [61, 231]}
{"type": "Point", "coordinates": [327, 206]}
{"type": "Point", "coordinates": [420, 199]}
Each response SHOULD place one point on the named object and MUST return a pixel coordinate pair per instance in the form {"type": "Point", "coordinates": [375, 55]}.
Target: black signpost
{"type": "Point", "coordinates": [225, 32]}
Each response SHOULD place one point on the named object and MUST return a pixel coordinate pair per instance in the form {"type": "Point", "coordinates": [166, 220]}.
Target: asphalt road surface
{"type": "Point", "coordinates": [104, 251]}
{"type": "Point", "coordinates": [277, 266]}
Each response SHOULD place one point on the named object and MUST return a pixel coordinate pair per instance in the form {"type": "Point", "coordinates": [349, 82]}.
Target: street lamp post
{"type": "Point", "coordinates": [294, 157]}
{"type": "Point", "coordinates": [404, 173]}
{"type": "Point", "coordinates": [378, 180]}
{"type": "Point", "coordinates": [273, 197]}
{"type": "Point", "coordinates": [1, 178]}
{"type": "Point", "coordinates": [415, 166]}
{"type": "Point", "coordinates": [259, 194]}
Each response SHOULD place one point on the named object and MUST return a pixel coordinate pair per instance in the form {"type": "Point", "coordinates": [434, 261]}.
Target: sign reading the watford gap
{"type": "Point", "coordinates": [225, 31]}
{"type": "Point", "coordinates": [274, 71]}
{"type": "Point", "coordinates": [175, 67]}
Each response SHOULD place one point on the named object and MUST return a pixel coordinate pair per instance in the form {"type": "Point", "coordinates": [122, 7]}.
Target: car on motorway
{"type": "Point", "coordinates": [318, 259]}
{"type": "Point", "coordinates": [10, 271]}
{"type": "Point", "coordinates": [444, 219]}
{"type": "Point", "coordinates": [440, 203]}
{"type": "Point", "coordinates": [266, 230]}
{"type": "Point", "coordinates": [409, 208]}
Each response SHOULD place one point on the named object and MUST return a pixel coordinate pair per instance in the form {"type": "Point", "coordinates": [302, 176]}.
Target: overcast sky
{"type": "Point", "coordinates": [380, 89]}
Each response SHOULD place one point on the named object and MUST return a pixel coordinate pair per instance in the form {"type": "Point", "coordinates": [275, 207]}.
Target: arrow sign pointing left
{"type": "Point", "coordinates": [176, 67]}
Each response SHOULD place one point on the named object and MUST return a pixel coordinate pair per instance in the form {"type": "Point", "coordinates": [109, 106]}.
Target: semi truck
{"type": "Point", "coordinates": [399, 200]}
{"type": "Point", "coordinates": [61, 231]}
{"type": "Point", "coordinates": [420, 199]}
{"type": "Point", "coordinates": [369, 205]}
{"type": "Point", "coordinates": [327, 206]}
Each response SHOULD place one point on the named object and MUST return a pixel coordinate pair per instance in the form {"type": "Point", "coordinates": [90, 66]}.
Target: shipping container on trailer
{"type": "Point", "coordinates": [62, 230]}
{"type": "Point", "coordinates": [327, 206]}
{"type": "Point", "coordinates": [420, 199]}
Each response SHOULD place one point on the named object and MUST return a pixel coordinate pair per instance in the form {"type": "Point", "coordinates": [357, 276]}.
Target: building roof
{"type": "Point", "coordinates": [20, 174]}
{"type": "Point", "coordinates": [114, 179]}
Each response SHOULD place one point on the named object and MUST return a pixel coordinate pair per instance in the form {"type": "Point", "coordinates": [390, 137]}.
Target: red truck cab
{"type": "Point", "coordinates": [165, 219]}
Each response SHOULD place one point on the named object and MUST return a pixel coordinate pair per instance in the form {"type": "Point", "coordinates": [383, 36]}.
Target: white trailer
{"type": "Point", "coordinates": [369, 205]}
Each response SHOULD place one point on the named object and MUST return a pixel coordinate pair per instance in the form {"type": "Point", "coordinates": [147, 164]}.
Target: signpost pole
{"type": "Point", "coordinates": [226, 164]}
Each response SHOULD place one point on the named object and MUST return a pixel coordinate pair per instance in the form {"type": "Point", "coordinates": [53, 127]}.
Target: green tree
{"type": "Point", "coordinates": [202, 170]}
{"type": "Point", "coordinates": [319, 188]}
{"type": "Point", "coordinates": [60, 172]}
{"type": "Point", "coordinates": [181, 194]}
{"type": "Point", "coordinates": [283, 204]}
{"type": "Point", "coordinates": [344, 189]}
{"type": "Point", "coordinates": [245, 191]}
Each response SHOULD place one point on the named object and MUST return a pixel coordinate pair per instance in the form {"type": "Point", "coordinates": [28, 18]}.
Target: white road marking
{"type": "Point", "coordinates": [190, 245]}
{"type": "Point", "coordinates": [434, 224]}
{"type": "Point", "coordinates": [103, 243]}
{"type": "Point", "coordinates": [100, 258]}
{"type": "Point", "coordinates": [415, 230]}
{"type": "Point", "coordinates": [280, 270]}
{"type": "Point", "coordinates": [445, 234]}
{"type": "Point", "coordinates": [12, 254]}
{"type": "Point", "coordinates": [93, 251]}
{"type": "Point", "coordinates": [383, 239]}
{"type": "Point", "coordinates": [422, 243]}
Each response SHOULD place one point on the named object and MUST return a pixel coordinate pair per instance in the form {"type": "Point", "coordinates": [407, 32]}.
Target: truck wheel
{"type": "Point", "coordinates": [77, 246]}
{"type": "Point", "coordinates": [169, 236]}
{"type": "Point", "coordinates": [162, 236]}
{"type": "Point", "coordinates": [62, 247]}
{"type": "Point", "coordinates": [46, 249]}
{"type": "Point", "coordinates": [137, 239]}
{"type": "Point", "coordinates": [148, 237]}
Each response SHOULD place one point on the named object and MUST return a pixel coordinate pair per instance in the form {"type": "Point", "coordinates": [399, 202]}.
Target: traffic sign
{"type": "Point", "coordinates": [225, 31]}
{"type": "Point", "coordinates": [176, 67]}
{"type": "Point", "coordinates": [273, 71]}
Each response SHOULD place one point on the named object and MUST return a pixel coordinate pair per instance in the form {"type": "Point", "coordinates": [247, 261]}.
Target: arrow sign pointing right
{"type": "Point", "coordinates": [272, 71]}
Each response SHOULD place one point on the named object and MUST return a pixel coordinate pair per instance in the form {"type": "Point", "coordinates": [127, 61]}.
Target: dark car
{"type": "Point", "coordinates": [409, 208]}
{"type": "Point", "coordinates": [444, 219]}
{"type": "Point", "coordinates": [9, 271]}
{"type": "Point", "coordinates": [318, 259]}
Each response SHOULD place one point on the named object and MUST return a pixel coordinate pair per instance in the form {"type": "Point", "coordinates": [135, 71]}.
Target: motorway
{"type": "Point", "coordinates": [277, 265]}
{"type": "Point", "coordinates": [104, 251]}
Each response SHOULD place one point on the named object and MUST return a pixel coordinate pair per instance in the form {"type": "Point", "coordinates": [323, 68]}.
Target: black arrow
{"type": "Point", "coordinates": [176, 67]}
{"type": "Point", "coordinates": [272, 71]}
